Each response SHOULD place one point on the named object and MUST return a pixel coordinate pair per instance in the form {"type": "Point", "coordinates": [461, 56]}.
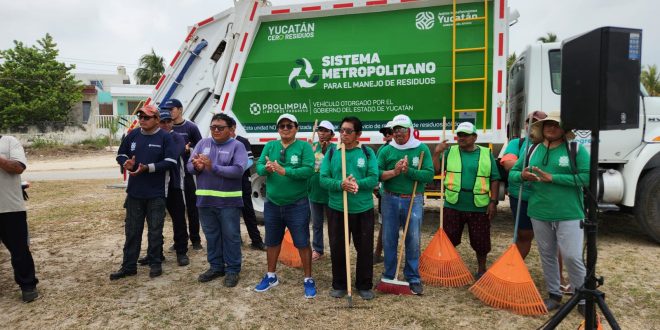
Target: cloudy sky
{"type": "Point", "coordinates": [99, 35]}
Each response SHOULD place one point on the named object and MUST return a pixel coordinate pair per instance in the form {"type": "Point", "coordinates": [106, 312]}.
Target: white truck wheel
{"type": "Point", "coordinates": [258, 195]}
{"type": "Point", "coordinates": [647, 204]}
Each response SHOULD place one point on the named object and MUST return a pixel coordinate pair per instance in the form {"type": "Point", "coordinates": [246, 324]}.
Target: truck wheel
{"type": "Point", "coordinates": [258, 195]}
{"type": "Point", "coordinates": [647, 203]}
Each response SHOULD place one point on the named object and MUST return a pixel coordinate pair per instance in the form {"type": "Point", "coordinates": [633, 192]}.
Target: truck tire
{"type": "Point", "coordinates": [258, 195]}
{"type": "Point", "coordinates": [647, 204]}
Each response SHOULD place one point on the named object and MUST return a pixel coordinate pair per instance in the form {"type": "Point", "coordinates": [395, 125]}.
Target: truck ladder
{"type": "Point", "coordinates": [483, 78]}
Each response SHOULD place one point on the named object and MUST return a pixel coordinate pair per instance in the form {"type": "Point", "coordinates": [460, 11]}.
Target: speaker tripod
{"type": "Point", "coordinates": [589, 291]}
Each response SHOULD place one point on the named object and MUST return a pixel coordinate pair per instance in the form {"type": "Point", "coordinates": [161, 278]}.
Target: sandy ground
{"type": "Point", "coordinates": [76, 232]}
{"type": "Point", "coordinates": [85, 166]}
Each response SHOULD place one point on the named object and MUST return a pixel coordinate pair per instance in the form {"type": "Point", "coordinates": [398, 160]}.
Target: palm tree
{"type": "Point", "coordinates": [651, 80]}
{"type": "Point", "coordinates": [549, 37]}
{"type": "Point", "coordinates": [150, 70]}
{"type": "Point", "coordinates": [510, 60]}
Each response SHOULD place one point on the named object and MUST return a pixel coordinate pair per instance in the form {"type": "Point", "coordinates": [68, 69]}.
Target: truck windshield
{"type": "Point", "coordinates": [554, 57]}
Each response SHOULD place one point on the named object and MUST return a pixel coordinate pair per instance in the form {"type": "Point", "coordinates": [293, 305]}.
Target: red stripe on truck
{"type": "Point", "coordinates": [343, 5]}
{"type": "Point", "coordinates": [499, 117]}
{"type": "Point", "coordinates": [175, 58]}
{"type": "Point", "coordinates": [244, 41]}
{"type": "Point", "coordinates": [224, 103]}
{"type": "Point", "coordinates": [206, 21]}
{"type": "Point", "coordinates": [311, 8]}
{"type": "Point", "coordinates": [266, 139]}
{"type": "Point", "coordinates": [376, 3]}
{"type": "Point", "coordinates": [429, 138]}
{"type": "Point", "coordinates": [499, 81]}
{"type": "Point", "coordinates": [190, 34]}
{"type": "Point", "coordinates": [500, 48]}
{"type": "Point", "coordinates": [233, 74]}
{"type": "Point", "coordinates": [501, 9]}
{"type": "Point", "coordinates": [160, 81]}
{"type": "Point", "coordinates": [404, 1]}
{"type": "Point", "coordinates": [147, 101]}
{"type": "Point", "coordinates": [254, 10]}
{"type": "Point", "coordinates": [280, 11]}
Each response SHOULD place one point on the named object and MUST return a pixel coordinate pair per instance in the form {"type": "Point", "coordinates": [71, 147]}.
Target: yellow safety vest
{"type": "Point", "coordinates": [481, 189]}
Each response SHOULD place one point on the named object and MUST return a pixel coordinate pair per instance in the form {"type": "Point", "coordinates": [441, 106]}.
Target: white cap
{"type": "Point", "coordinates": [466, 127]}
{"type": "Point", "coordinates": [288, 116]}
{"type": "Point", "coordinates": [401, 120]}
{"type": "Point", "coordinates": [327, 125]}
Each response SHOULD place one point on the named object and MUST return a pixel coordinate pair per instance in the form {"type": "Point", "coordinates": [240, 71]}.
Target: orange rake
{"type": "Point", "coordinates": [289, 253]}
{"type": "Point", "coordinates": [508, 285]}
{"type": "Point", "coordinates": [440, 264]}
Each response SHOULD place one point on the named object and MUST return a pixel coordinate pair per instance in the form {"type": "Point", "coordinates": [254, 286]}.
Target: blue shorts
{"type": "Point", "coordinates": [525, 221]}
{"type": "Point", "coordinates": [294, 216]}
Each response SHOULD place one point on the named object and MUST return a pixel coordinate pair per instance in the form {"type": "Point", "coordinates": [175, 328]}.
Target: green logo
{"type": "Point", "coordinates": [307, 80]}
{"type": "Point", "coordinates": [255, 109]}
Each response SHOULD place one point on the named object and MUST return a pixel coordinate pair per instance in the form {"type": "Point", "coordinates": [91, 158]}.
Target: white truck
{"type": "Point", "coordinates": [379, 58]}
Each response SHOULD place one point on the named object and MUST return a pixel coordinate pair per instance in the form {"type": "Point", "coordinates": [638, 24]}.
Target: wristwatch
{"type": "Point", "coordinates": [495, 201]}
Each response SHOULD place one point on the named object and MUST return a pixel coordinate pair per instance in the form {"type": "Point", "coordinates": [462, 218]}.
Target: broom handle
{"type": "Point", "coordinates": [405, 228]}
{"type": "Point", "coordinates": [314, 130]}
{"type": "Point", "coordinates": [346, 245]}
{"type": "Point", "coordinates": [515, 227]}
{"type": "Point", "coordinates": [442, 179]}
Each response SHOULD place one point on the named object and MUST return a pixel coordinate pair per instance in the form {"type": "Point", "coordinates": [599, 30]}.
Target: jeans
{"type": "Point", "coordinates": [395, 210]}
{"type": "Point", "coordinates": [294, 216]}
{"type": "Point", "coordinates": [136, 211]}
{"type": "Point", "coordinates": [14, 235]}
{"type": "Point", "coordinates": [222, 228]}
{"type": "Point", "coordinates": [318, 211]}
{"type": "Point", "coordinates": [361, 227]}
{"type": "Point", "coordinates": [567, 236]}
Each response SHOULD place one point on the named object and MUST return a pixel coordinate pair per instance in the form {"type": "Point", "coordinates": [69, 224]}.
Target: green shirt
{"type": "Point", "coordinates": [318, 194]}
{"type": "Point", "coordinates": [403, 183]}
{"type": "Point", "coordinates": [515, 148]}
{"type": "Point", "coordinates": [470, 164]}
{"type": "Point", "coordinates": [298, 164]}
{"type": "Point", "coordinates": [560, 199]}
{"type": "Point", "coordinates": [365, 171]}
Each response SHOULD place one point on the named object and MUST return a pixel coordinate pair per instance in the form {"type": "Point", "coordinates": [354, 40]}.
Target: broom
{"type": "Point", "coordinates": [507, 284]}
{"type": "Point", "coordinates": [289, 253]}
{"type": "Point", "coordinates": [346, 245]}
{"type": "Point", "coordinates": [394, 286]}
{"type": "Point", "coordinates": [440, 264]}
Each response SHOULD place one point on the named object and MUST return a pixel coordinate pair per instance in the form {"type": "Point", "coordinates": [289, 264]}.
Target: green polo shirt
{"type": "Point", "coordinates": [403, 183]}
{"type": "Point", "coordinates": [298, 162]}
{"type": "Point", "coordinates": [318, 194]}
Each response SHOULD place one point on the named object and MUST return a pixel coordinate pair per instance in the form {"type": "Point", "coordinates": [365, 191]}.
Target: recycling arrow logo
{"type": "Point", "coordinates": [307, 80]}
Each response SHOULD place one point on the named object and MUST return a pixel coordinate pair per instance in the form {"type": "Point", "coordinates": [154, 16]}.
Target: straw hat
{"type": "Point", "coordinates": [536, 130]}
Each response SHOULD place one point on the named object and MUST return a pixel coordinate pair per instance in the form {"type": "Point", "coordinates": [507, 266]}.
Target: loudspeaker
{"type": "Point", "coordinates": [600, 79]}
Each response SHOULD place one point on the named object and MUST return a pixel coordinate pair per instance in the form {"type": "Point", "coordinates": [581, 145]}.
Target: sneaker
{"type": "Point", "coordinates": [416, 288]}
{"type": "Point", "coordinates": [155, 271]}
{"type": "Point", "coordinates": [231, 280]}
{"type": "Point", "coordinates": [197, 246]}
{"type": "Point", "coordinates": [366, 294]}
{"type": "Point", "coordinates": [310, 288]}
{"type": "Point", "coordinates": [378, 258]}
{"type": "Point", "coordinates": [172, 249]}
{"type": "Point", "coordinates": [259, 246]}
{"type": "Point", "coordinates": [121, 273]}
{"type": "Point", "coordinates": [210, 275]}
{"type": "Point", "coordinates": [582, 309]}
{"type": "Point", "coordinates": [334, 293]}
{"type": "Point", "coordinates": [182, 259]}
{"type": "Point", "coordinates": [566, 289]}
{"type": "Point", "coordinates": [316, 255]}
{"type": "Point", "coordinates": [552, 303]}
{"type": "Point", "coordinates": [266, 283]}
{"type": "Point", "coordinates": [144, 261]}
{"type": "Point", "coordinates": [29, 295]}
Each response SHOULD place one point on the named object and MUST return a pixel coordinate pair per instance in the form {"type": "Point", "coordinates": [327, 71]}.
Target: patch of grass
{"type": "Point", "coordinates": [42, 143]}
{"type": "Point", "coordinates": [98, 143]}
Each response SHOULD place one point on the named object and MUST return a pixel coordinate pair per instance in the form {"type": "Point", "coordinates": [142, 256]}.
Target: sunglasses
{"type": "Point", "coordinates": [463, 135]}
{"type": "Point", "coordinates": [346, 130]}
{"type": "Point", "coordinates": [283, 156]}
{"type": "Point", "coordinates": [143, 117]}
{"type": "Point", "coordinates": [285, 126]}
{"type": "Point", "coordinates": [217, 128]}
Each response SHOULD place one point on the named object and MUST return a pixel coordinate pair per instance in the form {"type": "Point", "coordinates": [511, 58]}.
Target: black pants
{"type": "Point", "coordinates": [361, 228]}
{"type": "Point", "coordinates": [249, 217]}
{"type": "Point", "coordinates": [191, 208]}
{"type": "Point", "coordinates": [175, 207]}
{"type": "Point", "coordinates": [14, 235]}
{"type": "Point", "coordinates": [136, 211]}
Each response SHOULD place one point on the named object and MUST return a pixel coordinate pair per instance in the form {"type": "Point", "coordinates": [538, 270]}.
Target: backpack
{"type": "Point", "coordinates": [504, 174]}
{"type": "Point", "coordinates": [332, 151]}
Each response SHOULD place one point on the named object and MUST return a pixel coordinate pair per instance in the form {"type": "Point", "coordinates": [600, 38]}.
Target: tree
{"type": "Point", "coordinates": [36, 89]}
{"type": "Point", "coordinates": [150, 70]}
{"type": "Point", "coordinates": [549, 37]}
{"type": "Point", "coordinates": [651, 80]}
{"type": "Point", "coordinates": [510, 60]}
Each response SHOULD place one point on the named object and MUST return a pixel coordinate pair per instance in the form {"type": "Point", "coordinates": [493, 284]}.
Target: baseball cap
{"type": "Point", "coordinates": [327, 125]}
{"type": "Point", "coordinates": [165, 115]}
{"type": "Point", "coordinates": [466, 127]}
{"type": "Point", "coordinates": [171, 103]}
{"type": "Point", "coordinates": [149, 110]}
{"type": "Point", "coordinates": [401, 120]}
{"type": "Point", "coordinates": [288, 116]}
{"type": "Point", "coordinates": [387, 128]}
